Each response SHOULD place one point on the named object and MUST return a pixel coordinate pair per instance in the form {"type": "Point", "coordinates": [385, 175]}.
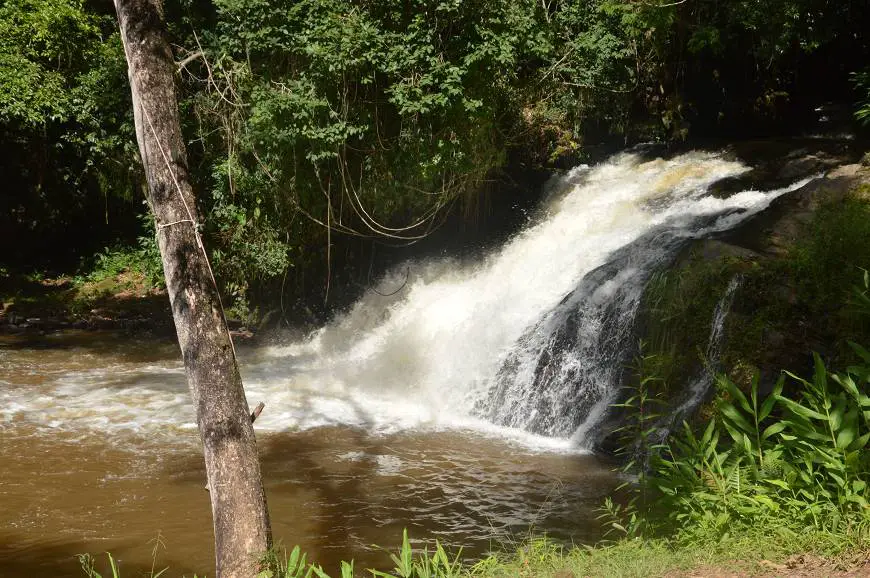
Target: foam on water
{"type": "Point", "coordinates": [425, 357]}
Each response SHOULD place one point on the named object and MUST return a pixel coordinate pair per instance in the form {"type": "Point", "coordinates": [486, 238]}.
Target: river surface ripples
{"type": "Point", "coordinates": [89, 466]}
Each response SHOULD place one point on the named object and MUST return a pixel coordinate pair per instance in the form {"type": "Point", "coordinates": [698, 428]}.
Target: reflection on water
{"type": "Point", "coordinates": [71, 483]}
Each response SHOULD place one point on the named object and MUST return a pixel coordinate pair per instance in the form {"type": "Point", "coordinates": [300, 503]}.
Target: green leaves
{"type": "Point", "coordinates": [438, 565]}
{"type": "Point", "coordinates": [365, 118]}
{"type": "Point", "coordinates": [45, 46]}
{"type": "Point", "coordinates": [275, 565]}
{"type": "Point", "coordinates": [861, 81]}
{"type": "Point", "coordinates": [802, 455]}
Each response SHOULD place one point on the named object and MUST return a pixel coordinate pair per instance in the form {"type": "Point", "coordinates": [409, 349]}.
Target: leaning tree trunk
{"type": "Point", "coordinates": [241, 520]}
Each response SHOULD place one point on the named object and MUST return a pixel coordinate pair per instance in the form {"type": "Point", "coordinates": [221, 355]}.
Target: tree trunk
{"type": "Point", "coordinates": [241, 520]}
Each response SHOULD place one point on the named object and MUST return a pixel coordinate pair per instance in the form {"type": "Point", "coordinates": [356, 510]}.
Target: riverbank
{"type": "Point", "coordinates": [124, 301]}
{"type": "Point", "coordinates": [40, 302]}
{"type": "Point", "coordinates": [741, 557]}
{"type": "Point", "coordinates": [760, 554]}
{"type": "Point", "coordinates": [767, 552]}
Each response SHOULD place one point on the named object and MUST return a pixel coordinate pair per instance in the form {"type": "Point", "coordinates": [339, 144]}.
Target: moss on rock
{"type": "Point", "coordinates": [800, 265]}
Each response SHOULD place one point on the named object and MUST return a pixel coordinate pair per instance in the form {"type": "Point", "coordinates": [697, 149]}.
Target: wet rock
{"type": "Point", "coordinates": [715, 250]}
{"type": "Point", "coordinates": [802, 166]}
{"type": "Point", "coordinates": [775, 230]}
{"type": "Point", "coordinates": [779, 163]}
{"type": "Point", "coordinates": [774, 339]}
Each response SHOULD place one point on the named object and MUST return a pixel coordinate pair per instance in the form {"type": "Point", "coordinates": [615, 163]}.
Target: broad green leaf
{"type": "Point", "coordinates": [800, 409]}
{"type": "Point", "coordinates": [848, 384]}
{"type": "Point", "coordinates": [747, 444]}
{"type": "Point", "coordinates": [770, 401]}
{"type": "Point", "coordinates": [835, 417]}
{"type": "Point", "coordinates": [734, 416]}
{"type": "Point", "coordinates": [862, 353]}
{"type": "Point", "coordinates": [774, 429]}
{"type": "Point", "coordinates": [820, 374]}
{"type": "Point", "coordinates": [840, 481]}
{"type": "Point", "coordinates": [736, 394]}
{"type": "Point", "coordinates": [293, 560]}
{"type": "Point", "coordinates": [846, 437]}
{"type": "Point", "coordinates": [860, 443]}
{"type": "Point", "coordinates": [708, 434]}
{"type": "Point", "coordinates": [735, 434]}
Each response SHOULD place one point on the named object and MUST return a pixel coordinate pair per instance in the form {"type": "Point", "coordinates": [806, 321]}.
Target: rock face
{"type": "Point", "coordinates": [716, 250]}
{"type": "Point", "coordinates": [778, 163]}
{"type": "Point", "coordinates": [776, 230]}
{"type": "Point", "coordinates": [777, 318]}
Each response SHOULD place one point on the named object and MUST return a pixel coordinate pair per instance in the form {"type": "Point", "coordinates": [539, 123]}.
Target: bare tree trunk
{"type": "Point", "coordinates": [241, 520]}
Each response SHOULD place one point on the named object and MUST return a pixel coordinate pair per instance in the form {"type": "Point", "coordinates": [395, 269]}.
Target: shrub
{"type": "Point", "coordinates": [787, 464]}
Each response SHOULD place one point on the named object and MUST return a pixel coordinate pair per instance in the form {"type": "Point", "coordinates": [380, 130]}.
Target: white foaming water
{"type": "Point", "coordinates": [426, 357]}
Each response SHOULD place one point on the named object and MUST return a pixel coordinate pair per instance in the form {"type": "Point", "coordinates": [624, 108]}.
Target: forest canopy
{"type": "Point", "coordinates": [316, 122]}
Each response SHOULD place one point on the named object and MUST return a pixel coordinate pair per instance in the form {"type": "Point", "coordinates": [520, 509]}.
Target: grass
{"type": "Point", "coordinates": [753, 553]}
{"type": "Point", "coordinates": [762, 550]}
{"type": "Point", "coordinates": [121, 268]}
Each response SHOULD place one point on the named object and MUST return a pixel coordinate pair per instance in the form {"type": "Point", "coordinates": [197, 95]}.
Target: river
{"type": "Point", "coordinates": [459, 407]}
{"type": "Point", "coordinates": [89, 467]}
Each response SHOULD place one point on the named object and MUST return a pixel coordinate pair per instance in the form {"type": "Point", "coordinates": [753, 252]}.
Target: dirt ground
{"type": "Point", "coordinates": [798, 566]}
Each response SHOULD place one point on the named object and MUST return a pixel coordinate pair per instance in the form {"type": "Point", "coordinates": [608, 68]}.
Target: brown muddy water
{"type": "Point", "coordinates": [99, 453]}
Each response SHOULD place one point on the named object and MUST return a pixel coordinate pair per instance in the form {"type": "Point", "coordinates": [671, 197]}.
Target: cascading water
{"type": "Point", "coordinates": [531, 340]}
{"type": "Point", "coordinates": [701, 384]}
{"type": "Point", "coordinates": [567, 368]}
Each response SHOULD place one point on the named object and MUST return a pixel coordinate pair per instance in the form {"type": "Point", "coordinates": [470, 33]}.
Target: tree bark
{"type": "Point", "coordinates": [241, 520]}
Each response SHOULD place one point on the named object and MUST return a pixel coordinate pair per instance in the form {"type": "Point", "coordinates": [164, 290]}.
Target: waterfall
{"type": "Point", "coordinates": [701, 384]}
{"type": "Point", "coordinates": [534, 337]}
{"type": "Point", "coordinates": [529, 342]}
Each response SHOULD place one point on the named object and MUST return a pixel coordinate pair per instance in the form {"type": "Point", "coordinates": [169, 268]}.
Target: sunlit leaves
{"type": "Point", "coordinates": [803, 454]}
{"type": "Point", "coordinates": [44, 46]}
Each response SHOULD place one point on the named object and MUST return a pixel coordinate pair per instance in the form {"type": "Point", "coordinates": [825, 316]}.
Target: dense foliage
{"type": "Point", "coordinates": [789, 462]}
{"type": "Point", "coordinates": [317, 122]}
{"type": "Point", "coordinates": [806, 463]}
{"type": "Point", "coordinates": [66, 137]}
